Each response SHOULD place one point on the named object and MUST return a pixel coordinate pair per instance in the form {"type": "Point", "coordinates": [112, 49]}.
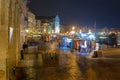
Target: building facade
{"type": "Point", "coordinates": [10, 30]}
{"type": "Point", "coordinates": [31, 24]}
{"type": "Point", "coordinates": [24, 21]}
{"type": "Point", "coordinates": [38, 27]}
{"type": "Point", "coordinates": [57, 24]}
{"type": "Point", "coordinates": [49, 24]}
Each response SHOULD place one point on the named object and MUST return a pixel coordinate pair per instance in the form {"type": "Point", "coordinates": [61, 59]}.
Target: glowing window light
{"type": "Point", "coordinates": [92, 37]}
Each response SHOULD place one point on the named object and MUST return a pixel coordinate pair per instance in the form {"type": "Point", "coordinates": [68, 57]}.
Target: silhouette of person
{"type": "Point", "coordinates": [25, 47]}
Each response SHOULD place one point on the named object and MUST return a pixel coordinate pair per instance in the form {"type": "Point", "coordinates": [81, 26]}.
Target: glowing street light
{"type": "Point", "coordinates": [27, 30]}
{"type": "Point", "coordinates": [73, 31]}
{"type": "Point", "coordinates": [73, 28]}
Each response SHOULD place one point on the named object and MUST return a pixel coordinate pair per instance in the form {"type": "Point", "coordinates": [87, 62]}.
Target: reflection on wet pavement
{"type": "Point", "coordinates": [73, 67]}
{"type": "Point", "coordinates": [104, 70]}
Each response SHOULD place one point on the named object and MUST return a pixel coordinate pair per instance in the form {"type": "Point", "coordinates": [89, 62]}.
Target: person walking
{"type": "Point", "coordinates": [25, 47]}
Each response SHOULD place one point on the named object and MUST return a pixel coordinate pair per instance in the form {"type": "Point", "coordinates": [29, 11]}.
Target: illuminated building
{"type": "Point", "coordinates": [11, 23]}
{"type": "Point", "coordinates": [31, 23]}
{"type": "Point", "coordinates": [49, 23]}
{"type": "Point", "coordinates": [31, 20]}
{"type": "Point", "coordinates": [57, 25]}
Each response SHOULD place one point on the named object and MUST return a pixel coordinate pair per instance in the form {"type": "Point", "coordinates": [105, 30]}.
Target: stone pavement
{"type": "Point", "coordinates": [35, 67]}
{"type": "Point", "coordinates": [109, 53]}
{"type": "Point", "coordinates": [69, 66]}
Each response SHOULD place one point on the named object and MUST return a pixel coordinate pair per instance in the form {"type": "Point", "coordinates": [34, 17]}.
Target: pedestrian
{"type": "Point", "coordinates": [22, 56]}
{"type": "Point", "coordinates": [80, 47]}
{"type": "Point", "coordinates": [88, 46]}
{"type": "Point", "coordinates": [25, 47]}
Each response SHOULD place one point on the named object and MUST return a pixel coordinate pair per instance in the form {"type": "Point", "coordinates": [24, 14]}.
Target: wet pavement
{"type": "Point", "coordinates": [67, 65]}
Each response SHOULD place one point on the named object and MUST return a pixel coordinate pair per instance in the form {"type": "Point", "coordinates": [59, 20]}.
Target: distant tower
{"type": "Point", "coordinates": [57, 24]}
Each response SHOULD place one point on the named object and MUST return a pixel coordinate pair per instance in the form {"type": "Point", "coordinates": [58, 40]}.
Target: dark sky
{"type": "Point", "coordinates": [106, 13]}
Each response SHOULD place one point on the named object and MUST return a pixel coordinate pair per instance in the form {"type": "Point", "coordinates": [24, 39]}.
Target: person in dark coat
{"type": "Point", "coordinates": [25, 47]}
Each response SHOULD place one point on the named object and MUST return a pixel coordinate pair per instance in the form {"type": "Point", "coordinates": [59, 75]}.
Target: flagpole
{"type": "Point", "coordinates": [95, 26]}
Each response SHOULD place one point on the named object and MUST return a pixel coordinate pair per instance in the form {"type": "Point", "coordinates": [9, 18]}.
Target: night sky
{"type": "Point", "coordinates": [106, 13]}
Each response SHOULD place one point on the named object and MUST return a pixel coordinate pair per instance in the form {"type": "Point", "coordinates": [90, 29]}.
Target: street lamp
{"type": "Point", "coordinates": [73, 28]}
{"type": "Point", "coordinates": [27, 30]}
{"type": "Point", "coordinates": [73, 31]}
